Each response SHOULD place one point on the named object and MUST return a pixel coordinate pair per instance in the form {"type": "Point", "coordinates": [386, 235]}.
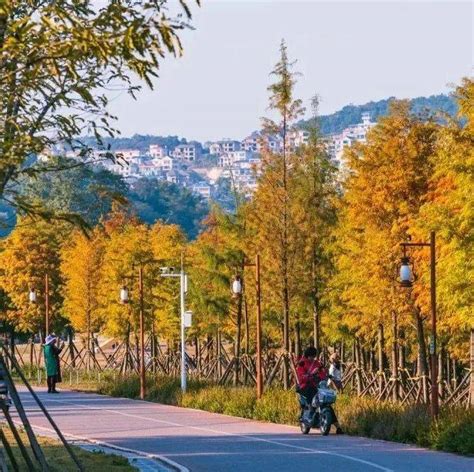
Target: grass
{"type": "Point", "coordinates": [59, 460]}
{"type": "Point", "coordinates": [452, 432]}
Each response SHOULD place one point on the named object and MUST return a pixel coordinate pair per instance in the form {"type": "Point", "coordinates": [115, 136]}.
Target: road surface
{"type": "Point", "coordinates": [201, 441]}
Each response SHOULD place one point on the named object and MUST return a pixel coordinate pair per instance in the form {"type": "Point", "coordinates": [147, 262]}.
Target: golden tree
{"type": "Point", "coordinates": [388, 180]}
{"type": "Point", "coordinates": [81, 264]}
{"type": "Point", "coordinates": [127, 247]}
{"type": "Point", "coordinates": [167, 244]}
{"type": "Point", "coordinates": [449, 210]}
{"type": "Point", "coordinates": [270, 215]}
{"type": "Point", "coordinates": [29, 254]}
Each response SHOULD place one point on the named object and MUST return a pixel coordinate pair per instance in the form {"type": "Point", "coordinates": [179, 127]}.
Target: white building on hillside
{"type": "Point", "coordinates": [156, 151]}
{"type": "Point", "coordinates": [230, 158]}
{"type": "Point", "coordinates": [187, 152]}
{"type": "Point", "coordinates": [127, 154]}
{"type": "Point", "coordinates": [348, 136]}
{"type": "Point", "coordinates": [165, 163]}
{"type": "Point", "coordinates": [203, 189]}
{"type": "Point", "coordinates": [226, 145]}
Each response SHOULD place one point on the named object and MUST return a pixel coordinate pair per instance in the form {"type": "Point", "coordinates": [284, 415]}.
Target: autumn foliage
{"type": "Point", "coordinates": [329, 241]}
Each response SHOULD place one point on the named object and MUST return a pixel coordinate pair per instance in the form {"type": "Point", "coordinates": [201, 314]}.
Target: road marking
{"type": "Point", "coordinates": [140, 454]}
{"type": "Point", "coordinates": [225, 433]}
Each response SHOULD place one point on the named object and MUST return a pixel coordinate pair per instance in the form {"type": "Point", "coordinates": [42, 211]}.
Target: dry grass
{"type": "Point", "coordinates": [59, 460]}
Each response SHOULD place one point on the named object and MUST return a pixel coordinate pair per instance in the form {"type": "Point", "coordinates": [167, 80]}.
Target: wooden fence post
{"type": "Point", "coordinates": [471, 384]}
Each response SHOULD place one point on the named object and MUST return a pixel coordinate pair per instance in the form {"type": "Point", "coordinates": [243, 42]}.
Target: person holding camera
{"type": "Point", "coordinates": [52, 362]}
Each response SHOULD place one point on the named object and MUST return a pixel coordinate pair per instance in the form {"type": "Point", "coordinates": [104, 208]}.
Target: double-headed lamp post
{"type": "Point", "coordinates": [237, 291]}
{"type": "Point", "coordinates": [186, 316]}
{"type": "Point", "coordinates": [407, 277]}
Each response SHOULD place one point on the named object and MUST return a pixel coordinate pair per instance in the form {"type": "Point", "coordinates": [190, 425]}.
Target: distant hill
{"type": "Point", "coordinates": [334, 123]}
{"type": "Point", "coordinates": [138, 141]}
{"type": "Point", "coordinates": [352, 114]}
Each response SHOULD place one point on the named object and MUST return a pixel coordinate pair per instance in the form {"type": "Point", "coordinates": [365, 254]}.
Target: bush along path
{"type": "Point", "coordinates": [452, 432]}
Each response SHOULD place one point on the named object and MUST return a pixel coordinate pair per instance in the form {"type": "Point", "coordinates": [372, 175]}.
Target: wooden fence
{"type": "Point", "coordinates": [213, 362]}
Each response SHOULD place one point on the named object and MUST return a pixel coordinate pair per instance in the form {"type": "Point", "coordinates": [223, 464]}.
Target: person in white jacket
{"type": "Point", "coordinates": [335, 374]}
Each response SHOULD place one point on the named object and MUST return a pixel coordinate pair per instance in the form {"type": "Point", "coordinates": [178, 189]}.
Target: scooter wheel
{"type": "Point", "coordinates": [326, 421]}
{"type": "Point", "coordinates": [305, 429]}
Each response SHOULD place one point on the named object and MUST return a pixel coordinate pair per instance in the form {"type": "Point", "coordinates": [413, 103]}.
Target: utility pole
{"type": "Point", "coordinates": [142, 336]}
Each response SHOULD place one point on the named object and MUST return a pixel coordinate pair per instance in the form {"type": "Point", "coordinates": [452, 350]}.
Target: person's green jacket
{"type": "Point", "coordinates": [50, 361]}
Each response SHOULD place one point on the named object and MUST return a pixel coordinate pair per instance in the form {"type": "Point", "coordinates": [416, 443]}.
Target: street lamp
{"type": "Point", "coordinates": [186, 316]}
{"type": "Point", "coordinates": [406, 280]}
{"type": "Point", "coordinates": [124, 299]}
{"type": "Point", "coordinates": [237, 292]}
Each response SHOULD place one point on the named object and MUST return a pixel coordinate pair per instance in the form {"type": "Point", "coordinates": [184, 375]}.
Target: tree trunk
{"type": "Point", "coordinates": [441, 372]}
{"type": "Point", "coordinates": [471, 384]}
{"type": "Point", "coordinates": [402, 350]}
{"type": "Point", "coordinates": [219, 354]}
{"type": "Point", "coordinates": [286, 335]}
{"type": "Point", "coordinates": [380, 357]}
{"type": "Point", "coordinates": [12, 341]}
{"type": "Point", "coordinates": [358, 365]}
{"type": "Point", "coordinates": [237, 341]}
{"type": "Point", "coordinates": [247, 328]}
{"type": "Point", "coordinates": [298, 337]}
{"type": "Point", "coordinates": [32, 347]}
{"type": "Point", "coordinates": [422, 359]}
{"type": "Point", "coordinates": [88, 343]}
{"type": "Point", "coordinates": [316, 325]}
{"type": "Point", "coordinates": [71, 348]}
{"type": "Point", "coordinates": [395, 354]}
{"type": "Point", "coordinates": [137, 351]}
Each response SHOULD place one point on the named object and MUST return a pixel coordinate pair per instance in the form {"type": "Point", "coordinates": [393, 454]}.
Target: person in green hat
{"type": "Point", "coordinates": [51, 359]}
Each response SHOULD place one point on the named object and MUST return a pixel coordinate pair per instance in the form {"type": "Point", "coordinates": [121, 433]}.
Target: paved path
{"type": "Point", "coordinates": [202, 441]}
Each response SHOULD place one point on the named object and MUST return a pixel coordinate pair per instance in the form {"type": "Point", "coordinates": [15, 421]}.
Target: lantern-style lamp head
{"type": "Point", "coordinates": [32, 295]}
{"type": "Point", "coordinates": [406, 272]}
{"type": "Point", "coordinates": [124, 295]}
{"type": "Point", "coordinates": [237, 286]}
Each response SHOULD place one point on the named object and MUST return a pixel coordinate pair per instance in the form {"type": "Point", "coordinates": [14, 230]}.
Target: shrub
{"type": "Point", "coordinates": [454, 431]}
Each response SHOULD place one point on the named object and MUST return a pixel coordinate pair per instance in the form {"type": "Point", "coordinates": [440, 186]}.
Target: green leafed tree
{"type": "Point", "coordinates": [57, 62]}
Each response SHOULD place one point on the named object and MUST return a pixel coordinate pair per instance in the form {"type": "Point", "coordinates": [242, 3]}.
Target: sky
{"type": "Point", "coordinates": [347, 52]}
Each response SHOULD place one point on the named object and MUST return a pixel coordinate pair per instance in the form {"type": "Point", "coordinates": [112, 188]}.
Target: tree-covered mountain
{"type": "Point", "coordinates": [333, 123]}
{"type": "Point", "coordinates": [352, 114]}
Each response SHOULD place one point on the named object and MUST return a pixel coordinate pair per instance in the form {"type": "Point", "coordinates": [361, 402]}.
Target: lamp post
{"type": "Point", "coordinates": [32, 297]}
{"type": "Point", "coordinates": [237, 290]}
{"type": "Point", "coordinates": [186, 316]}
{"type": "Point", "coordinates": [406, 280]}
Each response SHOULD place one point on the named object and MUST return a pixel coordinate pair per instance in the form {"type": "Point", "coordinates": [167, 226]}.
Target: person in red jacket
{"type": "Point", "coordinates": [310, 372]}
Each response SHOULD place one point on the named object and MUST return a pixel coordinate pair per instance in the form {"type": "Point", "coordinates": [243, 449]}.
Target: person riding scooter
{"type": "Point", "coordinates": [310, 372]}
